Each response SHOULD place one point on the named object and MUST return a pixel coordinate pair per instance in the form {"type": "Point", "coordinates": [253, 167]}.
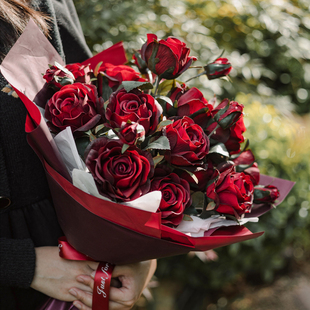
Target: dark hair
{"type": "Point", "coordinates": [14, 16]}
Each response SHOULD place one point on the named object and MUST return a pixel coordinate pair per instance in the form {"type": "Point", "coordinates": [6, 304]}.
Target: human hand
{"type": "Point", "coordinates": [54, 276]}
{"type": "Point", "coordinates": [127, 284]}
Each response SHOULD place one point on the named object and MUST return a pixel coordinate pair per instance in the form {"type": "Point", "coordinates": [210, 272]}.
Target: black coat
{"type": "Point", "coordinates": [29, 221]}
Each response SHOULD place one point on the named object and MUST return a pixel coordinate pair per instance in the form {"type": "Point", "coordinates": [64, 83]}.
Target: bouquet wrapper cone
{"type": "Point", "coordinates": [102, 230]}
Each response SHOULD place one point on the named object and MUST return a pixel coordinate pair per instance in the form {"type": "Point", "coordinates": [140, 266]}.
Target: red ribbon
{"type": "Point", "coordinates": [102, 277]}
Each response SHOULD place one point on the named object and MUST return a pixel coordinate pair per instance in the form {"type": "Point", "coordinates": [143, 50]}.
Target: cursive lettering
{"type": "Point", "coordinates": [104, 277]}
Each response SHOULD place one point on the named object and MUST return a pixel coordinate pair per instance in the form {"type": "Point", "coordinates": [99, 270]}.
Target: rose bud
{"type": "Point", "coordinates": [75, 105]}
{"type": "Point", "coordinates": [117, 74]}
{"type": "Point", "coordinates": [229, 116]}
{"type": "Point", "coordinates": [175, 197]}
{"type": "Point", "coordinates": [218, 68]}
{"type": "Point", "coordinates": [58, 76]}
{"type": "Point", "coordinates": [188, 143]}
{"type": "Point", "coordinates": [131, 133]}
{"type": "Point", "coordinates": [119, 176]}
{"type": "Point", "coordinates": [266, 194]}
{"type": "Point", "coordinates": [232, 193]}
{"type": "Point", "coordinates": [133, 107]}
{"type": "Point", "coordinates": [167, 58]}
{"type": "Point", "coordinates": [189, 101]}
{"type": "Point", "coordinates": [227, 113]}
{"type": "Point", "coordinates": [245, 162]}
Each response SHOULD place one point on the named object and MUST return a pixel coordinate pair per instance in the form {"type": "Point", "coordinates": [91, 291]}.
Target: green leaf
{"type": "Point", "coordinates": [211, 206]}
{"type": "Point", "coordinates": [81, 144]}
{"type": "Point", "coordinates": [229, 120]}
{"type": "Point", "coordinates": [97, 68]}
{"type": "Point", "coordinates": [130, 85]}
{"type": "Point", "coordinates": [162, 143]}
{"type": "Point", "coordinates": [163, 124]}
{"type": "Point", "coordinates": [125, 148]}
{"type": "Point", "coordinates": [261, 194]}
{"type": "Point", "coordinates": [98, 128]}
{"type": "Point", "coordinates": [158, 159]}
{"type": "Point", "coordinates": [198, 200]}
{"type": "Point", "coordinates": [105, 104]}
{"type": "Point", "coordinates": [192, 175]}
{"type": "Point", "coordinates": [164, 99]}
{"type": "Point", "coordinates": [186, 217]}
{"type": "Point", "coordinates": [166, 86]}
{"type": "Point", "coordinates": [103, 83]}
{"type": "Point", "coordinates": [219, 148]}
{"type": "Point", "coordinates": [218, 115]}
{"type": "Point", "coordinates": [201, 111]}
{"type": "Point", "coordinates": [190, 211]}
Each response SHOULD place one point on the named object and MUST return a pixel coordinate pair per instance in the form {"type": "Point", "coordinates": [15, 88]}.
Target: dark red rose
{"type": "Point", "coordinates": [218, 68]}
{"type": "Point", "coordinates": [246, 162]}
{"type": "Point", "coordinates": [175, 197]}
{"type": "Point", "coordinates": [188, 143]}
{"type": "Point", "coordinates": [133, 107]}
{"type": "Point", "coordinates": [167, 58]}
{"type": "Point", "coordinates": [119, 176]}
{"type": "Point", "coordinates": [266, 194]}
{"type": "Point", "coordinates": [75, 105]}
{"type": "Point", "coordinates": [73, 73]}
{"type": "Point", "coordinates": [236, 137]}
{"type": "Point", "coordinates": [189, 101]}
{"type": "Point", "coordinates": [233, 193]}
{"type": "Point", "coordinates": [117, 74]}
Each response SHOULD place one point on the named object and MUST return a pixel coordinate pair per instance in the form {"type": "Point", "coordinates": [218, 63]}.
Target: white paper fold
{"type": "Point", "coordinates": [198, 226]}
{"type": "Point", "coordinates": [69, 153]}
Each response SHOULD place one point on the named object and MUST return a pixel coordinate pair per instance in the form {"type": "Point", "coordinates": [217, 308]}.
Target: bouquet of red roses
{"type": "Point", "coordinates": [140, 165]}
{"type": "Point", "coordinates": [152, 147]}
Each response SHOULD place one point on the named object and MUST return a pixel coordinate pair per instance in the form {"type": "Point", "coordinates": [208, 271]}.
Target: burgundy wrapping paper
{"type": "Point", "coordinates": [104, 240]}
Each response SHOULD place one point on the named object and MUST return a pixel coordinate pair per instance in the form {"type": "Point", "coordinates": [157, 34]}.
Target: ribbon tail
{"type": "Point", "coordinates": [102, 286]}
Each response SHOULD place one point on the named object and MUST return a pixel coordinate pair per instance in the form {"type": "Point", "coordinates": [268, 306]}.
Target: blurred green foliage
{"type": "Point", "coordinates": [268, 44]}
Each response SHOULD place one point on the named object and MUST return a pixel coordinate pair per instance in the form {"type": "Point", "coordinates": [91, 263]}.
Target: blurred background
{"type": "Point", "coordinates": [268, 45]}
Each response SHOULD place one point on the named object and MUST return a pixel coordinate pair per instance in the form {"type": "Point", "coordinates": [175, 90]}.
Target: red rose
{"type": "Point", "coordinates": [231, 123]}
{"type": "Point", "coordinates": [117, 74]}
{"type": "Point", "coordinates": [218, 68]}
{"type": "Point", "coordinates": [175, 197]}
{"type": "Point", "coordinates": [119, 176]}
{"type": "Point", "coordinates": [232, 193]}
{"type": "Point", "coordinates": [75, 105]}
{"type": "Point", "coordinates": [167, 58]}
{"type": "Point", "coordinates": [133, 107]}
{"type": "Point", "coordinates": [266, 194]}
{"type": "Point", "coordinates": [189, 101]}
{"type": "Point", "coordinates": [188, 143]}
{"type": "Point", "coordinates": [73, 73]}
{"type": "Point", "coordinates": [246, 163]}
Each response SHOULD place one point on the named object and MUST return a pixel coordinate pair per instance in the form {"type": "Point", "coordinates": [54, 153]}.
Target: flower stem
{"type": "Point", "coordinates": [156, 86]}
{"type": "Point", "coordinates": [204, 72]}
{"type": "Point", "coordinates": [213, 131]}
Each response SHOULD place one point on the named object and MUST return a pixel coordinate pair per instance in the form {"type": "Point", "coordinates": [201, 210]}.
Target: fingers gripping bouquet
{"type": "Point", "coordinates": [140, 165]}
